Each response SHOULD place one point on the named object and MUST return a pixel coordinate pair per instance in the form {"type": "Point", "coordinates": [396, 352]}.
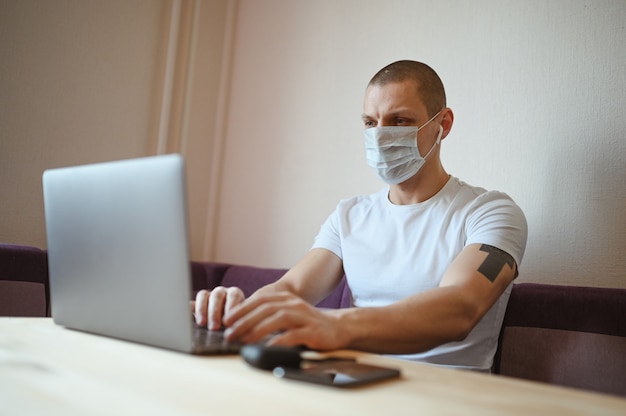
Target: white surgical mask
{"type": "Point", "coordinates": [392, 151]}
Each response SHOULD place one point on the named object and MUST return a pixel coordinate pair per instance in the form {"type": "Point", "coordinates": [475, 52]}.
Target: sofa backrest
{"type": "Point", "coordinates": [249, 279]}
{"type": "Point", "coordinates": [565, 335]}
{"type": "Point", "coordinates": [24, 282]}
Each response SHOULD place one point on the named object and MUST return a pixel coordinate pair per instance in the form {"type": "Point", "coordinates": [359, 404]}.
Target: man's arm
{"type": "Point", "coordinates": [471, 285]}
{"type": "Point", "coordinates": [313, 278]}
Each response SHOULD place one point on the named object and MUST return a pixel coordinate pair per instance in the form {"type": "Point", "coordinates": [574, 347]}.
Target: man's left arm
{"type": "Point", "coordinates": [482, 272]}
{"type": "Point", "coordinates": [470, 286]}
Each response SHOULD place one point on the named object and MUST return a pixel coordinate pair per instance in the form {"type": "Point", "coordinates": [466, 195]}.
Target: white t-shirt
{"type": "Point", "coordinates": [390, 252]}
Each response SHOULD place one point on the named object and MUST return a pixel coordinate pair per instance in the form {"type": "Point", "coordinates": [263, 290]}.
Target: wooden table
{"type": "Point", "coordinates": [49, 370]}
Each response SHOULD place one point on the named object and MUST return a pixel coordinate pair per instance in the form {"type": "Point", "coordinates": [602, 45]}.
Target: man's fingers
{"type": "Point", "coordinates": [234, 296]}
{"type": "Point", "coordinates": [238, 311]}
{"type": "Point", "coordinates": [200, 307]}
{"type": "Point", "coordinates": [268, 316]}
{"type": "Point", "coordinates": [291, 338]}
{"type": "Point", "coordinates": [217, 301]}
{"type": "Point", "coordinates": [210, 306]}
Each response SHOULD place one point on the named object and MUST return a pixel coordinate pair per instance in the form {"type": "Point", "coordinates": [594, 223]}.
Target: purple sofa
{"type": "Point", "coordinates": [564, 335]}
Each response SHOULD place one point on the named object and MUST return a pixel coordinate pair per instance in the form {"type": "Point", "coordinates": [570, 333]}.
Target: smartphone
{"type": "Point", "coordinates": [338, 373]}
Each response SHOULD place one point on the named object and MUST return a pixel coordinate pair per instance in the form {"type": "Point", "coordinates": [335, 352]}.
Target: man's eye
{"type": "Point", "coordinates": [401, 121]}
{"type": "Point", "coordinates": [369, 123]}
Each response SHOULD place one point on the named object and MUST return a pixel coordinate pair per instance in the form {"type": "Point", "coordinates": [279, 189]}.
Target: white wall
{"type": "Point", "coordinates": [538, 88]}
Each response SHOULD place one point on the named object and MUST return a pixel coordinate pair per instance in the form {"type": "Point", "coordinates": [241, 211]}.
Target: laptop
{"type": "Point", "coordinates": [118, 253]}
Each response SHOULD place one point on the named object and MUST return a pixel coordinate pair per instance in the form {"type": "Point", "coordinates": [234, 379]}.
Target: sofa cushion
{"type": "Point", "coordinates": [565, 335]}
{"type": "Point", "coordinates": [22, 299]}
{"type": "Point", "coordinates": [24, 289]}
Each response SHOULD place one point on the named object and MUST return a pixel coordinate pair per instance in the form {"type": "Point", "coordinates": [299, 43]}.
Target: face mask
{"type": "Point", "coordinates": [392, 151]}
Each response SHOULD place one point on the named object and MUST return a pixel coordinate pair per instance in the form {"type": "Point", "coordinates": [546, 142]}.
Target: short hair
{"type": "Point", "coordinates": [429, 85]}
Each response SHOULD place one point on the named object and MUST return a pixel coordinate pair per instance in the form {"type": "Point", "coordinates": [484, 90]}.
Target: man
{"type": "Point", "coordinates": [429, 259]}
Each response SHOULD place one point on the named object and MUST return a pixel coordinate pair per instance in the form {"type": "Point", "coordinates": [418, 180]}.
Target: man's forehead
{"type": "Point", "coordinates": [400, 94]}
{"type": "Point", "coordinates": [407, 84]}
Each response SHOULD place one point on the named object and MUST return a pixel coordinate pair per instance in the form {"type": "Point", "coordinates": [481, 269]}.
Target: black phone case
{"type": "Point", "coordinates": [338, 373]}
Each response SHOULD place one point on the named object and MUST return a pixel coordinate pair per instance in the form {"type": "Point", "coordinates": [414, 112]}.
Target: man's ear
{"type": "Point", "coordinates": [446, 121]}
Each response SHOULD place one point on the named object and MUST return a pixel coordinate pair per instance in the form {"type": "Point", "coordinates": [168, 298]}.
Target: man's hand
{"type": "Point", "coordinates": [292, 320]}
{"type": "Point", "coordinates": [210, 307]}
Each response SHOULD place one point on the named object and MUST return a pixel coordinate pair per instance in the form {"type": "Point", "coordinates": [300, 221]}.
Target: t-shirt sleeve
{"type": "Point", "coordinates": [499, 222]}
{"type": "Point", "coordinates": [329, 237]}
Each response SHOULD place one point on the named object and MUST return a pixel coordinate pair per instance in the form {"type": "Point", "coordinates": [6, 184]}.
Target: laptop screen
{"type": "Point", "coordinates": [118, 249]}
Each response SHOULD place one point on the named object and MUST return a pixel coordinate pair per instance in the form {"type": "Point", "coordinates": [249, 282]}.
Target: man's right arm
{"type": "Point", "coordinates": [312, 279]}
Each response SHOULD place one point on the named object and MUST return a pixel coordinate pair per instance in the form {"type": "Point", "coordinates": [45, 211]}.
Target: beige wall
{"type": "Point", "coordinates": [75, 87]}
{"type": "Point", "coordinates": [90, 81]}
{"type": "Point", "coordinates": [264, 98]}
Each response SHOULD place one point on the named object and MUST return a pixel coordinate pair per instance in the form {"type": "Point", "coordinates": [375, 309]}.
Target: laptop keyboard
{"type": "Point", "coordinates": [208, 341]}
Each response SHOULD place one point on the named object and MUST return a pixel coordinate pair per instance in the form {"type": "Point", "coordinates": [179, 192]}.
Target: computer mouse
{"type": "Point", "coordinates": [269, 357]}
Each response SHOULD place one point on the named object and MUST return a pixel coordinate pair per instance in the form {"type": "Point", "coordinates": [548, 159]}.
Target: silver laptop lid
{"type": "Point", "coordinates": [118, 249]}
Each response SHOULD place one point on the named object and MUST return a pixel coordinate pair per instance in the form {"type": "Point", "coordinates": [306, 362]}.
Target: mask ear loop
{"type": "Point", "coordinates": [436, 142]}
{"type": "Point", "coordinates": [431, 119]}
